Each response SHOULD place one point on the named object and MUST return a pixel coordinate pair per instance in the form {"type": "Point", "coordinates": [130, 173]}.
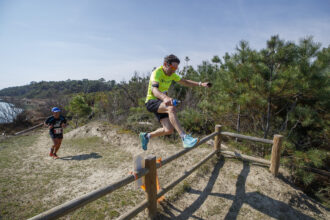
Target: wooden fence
{"type": "Point", "coordinates": [29, 129]}
{"type": "Point", "coordinates": [149, 173]}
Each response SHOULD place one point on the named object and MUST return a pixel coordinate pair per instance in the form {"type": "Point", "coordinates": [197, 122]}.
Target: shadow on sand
{"type": "Point", "coordinates": [269, 206]}
{"type": "Point", "coordinates": [82, 157]}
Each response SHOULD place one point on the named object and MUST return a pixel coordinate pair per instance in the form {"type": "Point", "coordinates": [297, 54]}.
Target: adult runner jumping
{"type": "Point", "coordinates": [159, 103]}
{"type": "Point", "coordinates": [55, 123]}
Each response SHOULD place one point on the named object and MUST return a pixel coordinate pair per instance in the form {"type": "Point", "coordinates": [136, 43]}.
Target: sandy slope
{"type": "Point", "coordinates": [230, 190]}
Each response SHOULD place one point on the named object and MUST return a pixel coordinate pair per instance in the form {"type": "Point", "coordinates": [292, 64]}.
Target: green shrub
{"type": "Point", "coordinates": [191, 120]}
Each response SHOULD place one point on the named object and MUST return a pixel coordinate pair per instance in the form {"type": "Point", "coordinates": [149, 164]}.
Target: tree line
{"type": "Point", "coordinates": [46, 89]}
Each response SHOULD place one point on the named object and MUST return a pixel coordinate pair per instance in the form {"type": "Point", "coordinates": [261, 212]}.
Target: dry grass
{"type": "Point", "coordinates": [31, 182]}
{"type": "Point", "coordinates": [14, 183]}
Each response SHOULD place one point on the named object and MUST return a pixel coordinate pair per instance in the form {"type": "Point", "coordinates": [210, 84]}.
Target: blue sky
{"type": "Point", "coordinates": [85, 39]}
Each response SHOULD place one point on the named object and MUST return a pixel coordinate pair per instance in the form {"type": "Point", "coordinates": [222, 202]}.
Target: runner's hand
{"type": "Point", "coordinates": [206, 84]}
{"type": "Point", "coordinates": [168, 101]}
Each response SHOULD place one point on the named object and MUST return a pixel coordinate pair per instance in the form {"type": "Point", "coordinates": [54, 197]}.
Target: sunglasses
{"type": "Point", "coordinates": [172, 67]}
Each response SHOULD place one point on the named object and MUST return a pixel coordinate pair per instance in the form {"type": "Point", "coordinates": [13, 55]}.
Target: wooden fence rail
{"type": "Point", "coordinates": [164, 190]}
{"type": "Point", "coordinates": [184, 151]}
{"type": "Point", "coordinates": [276, 149]}
{"type": "Point", "coordinates": [250, 138]}
{"type": "Point", "coordinates": [186, 174]}
{"type": "Point", "coordinates": [246, 157]}
{"type": "Point", "coordinates": [29, 129]}
{"type": "Point", "coordinates": [149, 173]}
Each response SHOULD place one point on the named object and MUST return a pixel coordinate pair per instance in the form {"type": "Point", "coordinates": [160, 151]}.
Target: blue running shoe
{"type": "Point", "coordinates": [144, 140]}
{"type": "Point", "coordinates": [189, 141]}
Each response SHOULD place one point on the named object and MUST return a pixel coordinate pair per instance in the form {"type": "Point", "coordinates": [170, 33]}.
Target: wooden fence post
{"type": "Point", "coordinates": [276, 154]}
{"type": "Point", "coordinates": [217, 140]}
{"type": "Point", "coordinates": [151, 187]}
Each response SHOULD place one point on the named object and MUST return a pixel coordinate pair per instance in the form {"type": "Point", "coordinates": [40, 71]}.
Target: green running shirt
{"type": "Point", "coordinates": [164, 81]}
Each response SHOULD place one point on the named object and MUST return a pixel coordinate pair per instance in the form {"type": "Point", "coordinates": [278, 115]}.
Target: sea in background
{"type": "Point", "coordinates": [8, 112]}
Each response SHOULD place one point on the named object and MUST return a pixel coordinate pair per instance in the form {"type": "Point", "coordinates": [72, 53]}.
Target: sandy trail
{"type": "Point", "coordinates": [79, 171]}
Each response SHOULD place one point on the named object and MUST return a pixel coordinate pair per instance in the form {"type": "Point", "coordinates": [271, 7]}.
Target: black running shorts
{"type": "Point", "coordinates": [153, 105]}
{"type": "Point", "coordinates": [52, 135]}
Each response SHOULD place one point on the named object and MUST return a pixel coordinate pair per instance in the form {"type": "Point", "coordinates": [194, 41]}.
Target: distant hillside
{"type": "Point", "coordinates": [45, 89]}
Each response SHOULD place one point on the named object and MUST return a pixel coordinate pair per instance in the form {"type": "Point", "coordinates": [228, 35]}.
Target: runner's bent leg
{"type": "Point", "coordinates": [171, 111]}
{"type": "Point", "coordinates": [165, 130]}
{"type": "Point", "coordinates": [188, 140]}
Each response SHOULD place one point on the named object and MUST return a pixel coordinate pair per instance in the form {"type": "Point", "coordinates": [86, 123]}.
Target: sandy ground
{"type": "Point", "coordinates": [230, 189]}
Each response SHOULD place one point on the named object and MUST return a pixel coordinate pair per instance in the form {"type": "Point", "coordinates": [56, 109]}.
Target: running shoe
{"type": "Point", "coordinates": [55, 156]}
{"type": "Point", "coordinates": [144, 140]}
{"type": "Point", "coordinates": [189, 141]}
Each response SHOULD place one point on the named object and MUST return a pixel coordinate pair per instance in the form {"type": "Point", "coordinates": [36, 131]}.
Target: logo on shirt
{"type": "Point", "coordinates": [57, 124]}
{"type": "Point", "coordinates": [165, 81]}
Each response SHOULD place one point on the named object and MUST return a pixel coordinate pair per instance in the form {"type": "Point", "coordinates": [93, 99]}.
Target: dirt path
{"type": "Point", "coordinates": [87, 168]}
{"type": "Point", "coordinates": [98, 154]}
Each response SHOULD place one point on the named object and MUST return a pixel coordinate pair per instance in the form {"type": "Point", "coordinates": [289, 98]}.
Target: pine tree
{"type": "Point", "coordinates": [78, 108]}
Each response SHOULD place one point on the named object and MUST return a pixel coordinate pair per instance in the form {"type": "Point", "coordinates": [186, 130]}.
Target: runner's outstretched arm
{"type": "Point", "coordinates": [190, 83]}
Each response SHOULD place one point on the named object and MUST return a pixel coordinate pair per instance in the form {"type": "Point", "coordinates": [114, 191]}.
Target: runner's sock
{"type": "Point", "coordinates": [182, 135]}
{"type": "Point", "coordinates": [52, 150]}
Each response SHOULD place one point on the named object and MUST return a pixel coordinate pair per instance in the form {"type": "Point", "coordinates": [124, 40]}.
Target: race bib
{"type": "Point", "coordinates": [57, 130]}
